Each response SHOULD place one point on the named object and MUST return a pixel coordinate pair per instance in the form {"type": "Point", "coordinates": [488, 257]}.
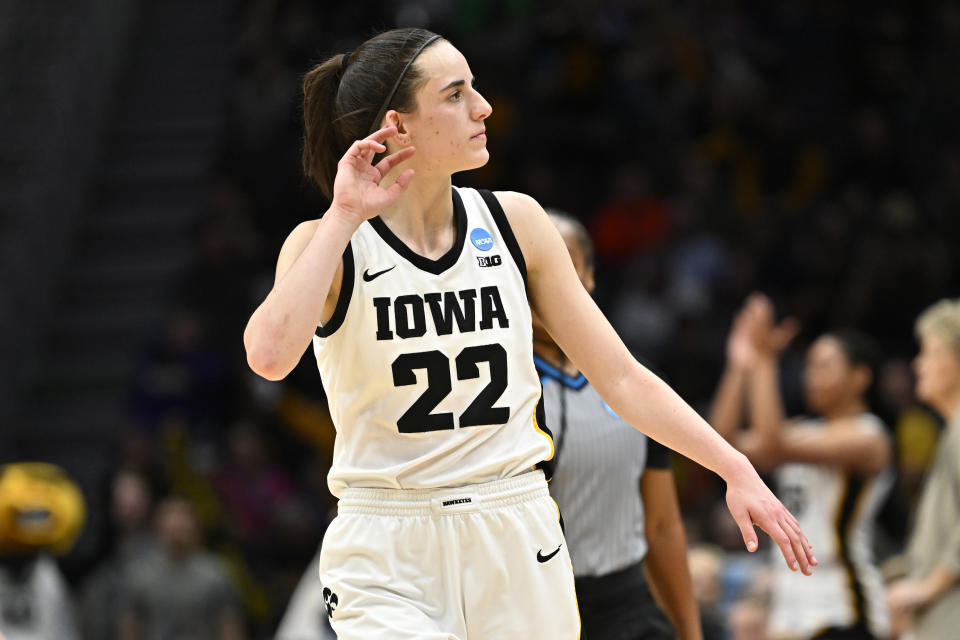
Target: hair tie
{"type": "Point", "coordinates": [343, 61]}
{"type": "Point", "coordinates": [396, 85]}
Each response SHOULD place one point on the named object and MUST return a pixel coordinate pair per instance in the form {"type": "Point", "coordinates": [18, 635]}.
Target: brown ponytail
{"type": "Point", "coordinates": [319, 121]}
{"type": "Point", "coordinates": [342, 95]}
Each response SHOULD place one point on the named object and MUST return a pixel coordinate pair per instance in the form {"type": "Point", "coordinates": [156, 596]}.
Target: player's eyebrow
{"type": "Point", "coordinates": [455, 83]}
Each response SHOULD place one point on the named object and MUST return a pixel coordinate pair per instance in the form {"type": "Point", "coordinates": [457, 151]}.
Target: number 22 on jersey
{"type": "Point", "coordinates": [419, 417]}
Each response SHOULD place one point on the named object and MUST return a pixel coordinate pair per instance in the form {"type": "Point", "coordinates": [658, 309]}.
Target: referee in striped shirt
{"type": "Point", "coordinates": [615, 489]}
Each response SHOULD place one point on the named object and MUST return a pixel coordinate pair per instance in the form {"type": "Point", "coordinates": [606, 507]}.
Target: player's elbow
{"type": "Point", "coordinates": [264, 359]}
{"type": "Point", "coordinates": [264, 354]}
{"type": "Point", "coordinates": [266, 365]}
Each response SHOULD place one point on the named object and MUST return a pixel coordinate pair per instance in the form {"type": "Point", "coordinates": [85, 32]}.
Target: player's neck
{"type": "Point", "coordinates": [423, 215]}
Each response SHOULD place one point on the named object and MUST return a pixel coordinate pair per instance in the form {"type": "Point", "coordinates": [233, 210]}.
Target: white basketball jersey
{"type": "Point", "coordinates": [428, 364]}
{"type": "Point", "coordinates": [836, 510]}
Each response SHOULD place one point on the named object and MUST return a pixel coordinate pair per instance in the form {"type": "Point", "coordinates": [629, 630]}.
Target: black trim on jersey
{"type": "Point", "coordinates": [853, 491]}
{"type": "Point", "coordinates": [547, 466]}
{"type": "Point", "coordinates": [500, 218]}
{"type": "Point", "coordinates": [858, 631]}
{"type": "Point", "coordinates": [547, 371]}
{"type": "Point", "coordinates": [442, 263]}
{"type": "Point", "coordinates": [343, 300]}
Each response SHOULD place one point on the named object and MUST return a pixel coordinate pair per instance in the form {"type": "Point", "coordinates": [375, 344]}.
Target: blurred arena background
{"type": "Point", "coordinates": [149, 170]}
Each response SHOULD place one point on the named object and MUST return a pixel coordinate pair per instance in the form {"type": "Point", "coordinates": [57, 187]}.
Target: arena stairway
{"type": "Point", "coordinates": [133, 236]}
{"type": "Point", "coordinates": [57, 74]}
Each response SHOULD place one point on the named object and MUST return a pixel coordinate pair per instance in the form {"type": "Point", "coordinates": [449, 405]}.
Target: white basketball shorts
{"type": "Point", "coordinates": [481, 562]}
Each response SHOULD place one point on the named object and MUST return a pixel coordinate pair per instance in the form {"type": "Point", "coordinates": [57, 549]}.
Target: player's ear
{"type": "Point", "coordinates": [394, 118]}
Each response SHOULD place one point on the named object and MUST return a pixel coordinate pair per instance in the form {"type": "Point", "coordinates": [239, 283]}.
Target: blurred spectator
{"type": "Point", "coordinates": [748, 619]}
{"type": "Point", "coordinates": [634, 220]}
{"type": "Point", "coordinates": [133, 542]}
{"type": "Point", "coordinates": [182, 376]}
{"type": "Point", "coordinates": [706, 569]}
{"type": "Point", "coordinates": [255, 492]}
{"type": "Point", "coordinates": [931, 592]}
{"type": "Point", "coordinates": [181, 592]}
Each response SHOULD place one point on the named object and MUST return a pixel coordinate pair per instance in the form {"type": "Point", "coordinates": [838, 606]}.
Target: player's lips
{"type": "Point", "coordinates": [480, 136]}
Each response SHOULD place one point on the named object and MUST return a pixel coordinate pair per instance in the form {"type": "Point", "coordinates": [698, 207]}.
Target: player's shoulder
{"type": "Point", "coordinates": [516, 203]}
{"type": "Point", "coordinates": [526, 216]}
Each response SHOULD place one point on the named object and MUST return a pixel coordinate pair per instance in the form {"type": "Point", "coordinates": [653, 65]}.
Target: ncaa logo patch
{"type": "Point", "coordinates": [481, 239]}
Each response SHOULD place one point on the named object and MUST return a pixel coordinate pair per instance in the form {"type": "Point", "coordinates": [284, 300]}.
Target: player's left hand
{"type": "Point", "coordinates": [752, 503]}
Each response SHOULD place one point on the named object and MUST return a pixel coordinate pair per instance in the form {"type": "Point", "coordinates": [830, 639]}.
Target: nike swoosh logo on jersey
{"type": "Point", "coordinates": [367, 276]}
{"type": "Point", "coordinates": [543, 558]}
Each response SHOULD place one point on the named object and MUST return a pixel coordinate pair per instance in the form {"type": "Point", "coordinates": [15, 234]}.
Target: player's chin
{"type": "Point", "coordinates": [478, 158]}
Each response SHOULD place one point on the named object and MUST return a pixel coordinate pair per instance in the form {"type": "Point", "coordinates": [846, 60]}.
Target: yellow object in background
{"type": "Point", "coordinates": [40, 508]}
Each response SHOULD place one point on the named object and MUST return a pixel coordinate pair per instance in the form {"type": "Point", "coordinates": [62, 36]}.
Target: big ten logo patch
{"type": "Point", "coordinates": [489, 261]}
{"type": "Point", "coordinates": [481, 239]}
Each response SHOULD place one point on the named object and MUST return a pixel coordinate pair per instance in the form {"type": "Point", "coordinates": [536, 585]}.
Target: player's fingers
{"type": "Point", "coordinates": [401, 184]}
{"type": "Point", "coordinates": [382, 134]}
{"type": "Point", "coordinates": [392, 160]}
{"type": "Point", "coordinates": [361, 150]}
{"type": "Point", "coordinates": [792, 523]}
{"type": "Point", "coordinates": [367, 149]}
{"type": "Point", "coordinates": [745, 523]}
{"type": "Point", "coordinates": [799, 551]}
{"type": "Point", "coordinates": [783, 541]}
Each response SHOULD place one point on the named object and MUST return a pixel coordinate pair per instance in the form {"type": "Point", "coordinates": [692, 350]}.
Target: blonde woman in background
{"type": "Point", "coordinates": [928, 599]}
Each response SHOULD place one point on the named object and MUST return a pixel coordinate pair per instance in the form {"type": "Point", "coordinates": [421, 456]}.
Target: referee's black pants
{"type": "Point", "coordinates": [620, 606]}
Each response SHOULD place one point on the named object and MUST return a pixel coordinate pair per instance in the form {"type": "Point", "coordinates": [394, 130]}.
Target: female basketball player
{"type": "Point", "coordinates": [931, 593]}
{"type": "Point", "coordinates": [833, 471]}
{"type": "Point", "coordinates": [415, 295]}
{"type": "Point", "coordinates": [616, 492]}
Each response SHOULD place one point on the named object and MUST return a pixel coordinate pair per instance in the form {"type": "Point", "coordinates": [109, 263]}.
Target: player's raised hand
{"type": "Point", "coordinates": [741, 351]}
{"type": "Point", "coordinates": [356, 188]}
{"type": "Point", "coordinates": [752, 503]}
{"type": "Point", "coordinates": [768, 337]}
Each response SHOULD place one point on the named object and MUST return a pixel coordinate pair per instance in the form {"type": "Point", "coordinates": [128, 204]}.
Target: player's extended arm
{"type": "Point", "coordinates": [636, 394]}
{"type": "Point", "coordinates": [309, 267]}
{"type": "Point", "coordinates": [666, 560]}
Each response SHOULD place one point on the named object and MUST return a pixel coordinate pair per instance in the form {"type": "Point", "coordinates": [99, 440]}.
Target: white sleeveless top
{"type": "Point", "coordinates": [837, 511]}
{"type": "Point", "coordinates": [428, 364]}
